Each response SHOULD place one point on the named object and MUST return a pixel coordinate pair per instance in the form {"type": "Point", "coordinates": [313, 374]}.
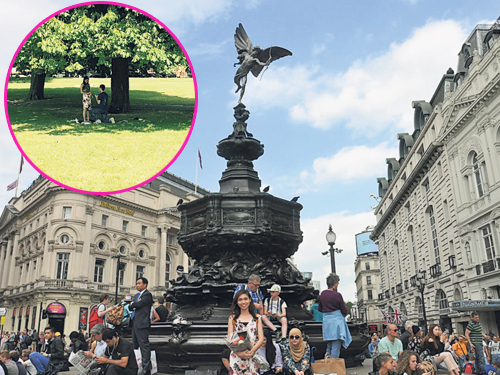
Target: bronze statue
{"type": "Point", "coordinates": [252, 58]}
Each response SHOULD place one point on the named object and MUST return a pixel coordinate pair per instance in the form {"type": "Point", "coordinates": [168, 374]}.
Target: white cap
{"type": "Point", "coordinates": [275, 288]}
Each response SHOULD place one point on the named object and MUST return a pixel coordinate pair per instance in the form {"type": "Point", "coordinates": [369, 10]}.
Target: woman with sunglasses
{"type": "Point", "coordinates": [244, 318]}
{"type": "Point", "coordinates": [296, 354]}
{"type": "Point", "coordinates": [433, 345]}
{"type": "Point", "coordinates": [335, 330]}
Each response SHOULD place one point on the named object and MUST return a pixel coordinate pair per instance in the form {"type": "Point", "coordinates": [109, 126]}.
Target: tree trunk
{"type": "Point", "coordinates": [119, 85]}
{"type": "Point", "coordinates": [37, 85]}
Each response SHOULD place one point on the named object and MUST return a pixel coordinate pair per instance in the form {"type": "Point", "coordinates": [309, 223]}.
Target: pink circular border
{"type": "Point", "coordinates": [195, 94]}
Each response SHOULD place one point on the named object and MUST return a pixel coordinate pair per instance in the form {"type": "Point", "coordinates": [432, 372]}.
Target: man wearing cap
{"type": "Point", "coordinates": [257, 297]}
{"type": "Point", "coordinates": [275, 309]}
{"type": "Point", "coordinates": [460, 349]}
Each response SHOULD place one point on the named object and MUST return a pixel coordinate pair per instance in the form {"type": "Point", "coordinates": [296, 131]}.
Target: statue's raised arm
{"type": "Point", "coordinates": [252, 58]}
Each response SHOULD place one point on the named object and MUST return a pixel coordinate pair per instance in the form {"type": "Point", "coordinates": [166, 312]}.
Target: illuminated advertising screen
{"type": "Point", "coordinates": [364, 245]}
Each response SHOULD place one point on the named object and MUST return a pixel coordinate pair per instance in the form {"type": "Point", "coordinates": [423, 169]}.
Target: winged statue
{"type": "Point", "coordinates": [252, 59]}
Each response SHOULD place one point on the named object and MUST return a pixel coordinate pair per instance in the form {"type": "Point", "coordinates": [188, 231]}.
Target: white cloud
{"type": "Point", "coordinates": [345, 225]}
{"type": "Point", "coordinates": [350, 163]}
{"type": "Point", "coordinates": [317, 48]}
{"type": "Point", "coordinates": [374, 93]}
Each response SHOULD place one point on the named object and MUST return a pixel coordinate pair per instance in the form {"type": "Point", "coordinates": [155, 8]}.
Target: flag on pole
{"type": "Point", "coordinates": [22, 163]}
{"type": "Point", "coordinates": [386, 316]}
{"type": "Point", "coordinates": [12, 186]}
{"type": "Point", "coordinates": [199, 157]}
{"type": "Point", "coordinates": [396, 316]}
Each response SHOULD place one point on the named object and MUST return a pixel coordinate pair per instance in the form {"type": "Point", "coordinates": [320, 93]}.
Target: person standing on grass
{"type": "Point", "coordinates": [102, 101]}
{"type": "Point", "coordinates": [86, 99]}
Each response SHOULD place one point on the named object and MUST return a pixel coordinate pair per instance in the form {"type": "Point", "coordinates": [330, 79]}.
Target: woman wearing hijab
{"type": "Point", "coordinates": [335, 330]}
{"type": "Point", "coordinates": [296, 354]}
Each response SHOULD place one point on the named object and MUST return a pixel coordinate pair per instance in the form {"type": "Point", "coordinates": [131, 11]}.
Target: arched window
{"type": "Point", "coordinates": [168, 265]}
{"type": "Point", "coordinates": [441, 299]}
{"type": "Point", "coordinates": [434, 236]}
{"type": "Point", "coordinates": [478, 176]}
{"type": "Point", "coordinates": [457, 295]}
{"type": "Point", "coordinates": [396, 254]}
{"type": "Point", "coordinates": [402, 310]}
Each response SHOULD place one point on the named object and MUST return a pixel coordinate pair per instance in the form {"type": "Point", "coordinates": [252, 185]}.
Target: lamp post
{"type": "Point", "coordinates": [421, 288]}
{"type": "Point", "coordinates": [330, 238]}
{"type": "Point", "coordinates": [117, 275]}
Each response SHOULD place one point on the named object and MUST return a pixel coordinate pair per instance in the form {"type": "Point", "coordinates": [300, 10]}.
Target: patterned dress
{"type": "Point", "coordinates": [240, 366]}
{"type": "Point", "coordinates": [87, 103]}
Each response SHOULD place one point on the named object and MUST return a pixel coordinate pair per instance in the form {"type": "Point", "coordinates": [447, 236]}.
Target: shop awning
{"type": "Point", "coordinates": [479, 305]}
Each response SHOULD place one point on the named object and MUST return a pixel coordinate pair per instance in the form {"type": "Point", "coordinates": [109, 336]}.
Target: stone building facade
{"type": "Point", "coordinates": [438, 221]}
{"type": "Point", "coordinates": [59, 249]}
{"type": "Point", "coordinates": [368, 287]}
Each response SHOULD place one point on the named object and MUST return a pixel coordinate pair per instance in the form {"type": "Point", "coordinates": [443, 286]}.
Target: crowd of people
{"type": "Point", "coordinates": [27, 353]}
{"type": "Point", "coordinates": [475, 352]}
{"type": "Point", "coordinates": [285, 351]}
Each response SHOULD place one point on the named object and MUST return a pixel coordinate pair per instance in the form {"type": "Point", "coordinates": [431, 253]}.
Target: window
{"type": "Point", "coordinates": [125, 225]}
{"type": "Point", "coordinates": [367, 265]}
{"type": "Point", "coordinates": [121, 273]}
{"type": "Point", "coordinates": [368, 280]}
{"type": "Point", "coordinates": [170, 239]}
{"type": "Point", "coordinates": [101, 245]}
{"type": "Point", "coordinates": [435, 243]}
{"type": "Point", "coordinates": [141, 253]}
{"type": "Point", "coordinates": [478, 176]}
{"type": "Point", "coordinates": [446, 211]}
{"type": "Point", "coordinates": [143, 231]}
{"type": "Point", "coordinates": [64, 238]}
{"type": "Point", "coordinates": [139, 272]}
{"type": "Point", "coordinates": [397, 255]}
{"type": "Point", "coordinates": [168, 266]}
{"type": "Point", "coordinates": [418, 305]}
{"type": "Point", "coordinates": [442, 300]}
{"type": "Point", "coordinates": [370, 294]}
{"type": "Point", "coordinates": [62, 266]}
{"type": "Point", "coordinates": [413, 249]}
{"type": "Point", "coordinates": [488, 242]}
{"type": "Point", "coordinates": [66, 212]}
{"type": "Point", "coordinates": [104, 220]}
{"type": "Point", "coordinates": [99, 270]}
{"type": "Point", "coordinates": [123, 250]}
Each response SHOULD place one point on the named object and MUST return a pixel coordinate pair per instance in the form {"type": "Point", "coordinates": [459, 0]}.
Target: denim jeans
{"type": "Point", "coordinates": [333, 348]}
{"type": "Point", "coordinates": [102, 112]}
{"type": "Point", "coordinates": [39, 361]}
{"type": "Point", "coordinates": [480, 362]}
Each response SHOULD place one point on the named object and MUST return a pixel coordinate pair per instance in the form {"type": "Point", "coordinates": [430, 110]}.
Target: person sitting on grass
{"type": "Point", "coordinates": [102, 101]}
{"type": "Point", "coordinates": [275, 309]}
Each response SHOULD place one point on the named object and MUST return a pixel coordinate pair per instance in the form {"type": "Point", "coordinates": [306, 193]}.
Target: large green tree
{"type": "Point", "coordinates": [100, 38]}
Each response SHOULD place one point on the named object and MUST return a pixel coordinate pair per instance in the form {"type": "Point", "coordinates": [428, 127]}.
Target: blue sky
{"type": "Point", "coordinates": [328, 115]}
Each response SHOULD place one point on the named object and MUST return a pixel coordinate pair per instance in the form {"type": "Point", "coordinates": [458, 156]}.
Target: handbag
{"type": "Point", "coordinates": [329, 366]}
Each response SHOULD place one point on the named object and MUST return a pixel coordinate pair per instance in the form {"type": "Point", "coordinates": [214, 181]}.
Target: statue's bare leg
{"type": "Point", "coordinates": [243, 86]}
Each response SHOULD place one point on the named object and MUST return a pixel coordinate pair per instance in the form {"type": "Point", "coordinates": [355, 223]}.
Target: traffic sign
{"type": "Point", "coordinates": [3, 311]}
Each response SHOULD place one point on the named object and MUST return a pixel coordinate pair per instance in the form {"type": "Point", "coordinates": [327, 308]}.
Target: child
{"type": "Point", "coordinates": [275, 308]}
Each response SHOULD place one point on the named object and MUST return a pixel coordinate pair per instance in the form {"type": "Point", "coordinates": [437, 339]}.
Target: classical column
{"type": "Point", "coordinates": [162, 258]}
{"type": "Point", "coordinates": [6, 263]}
{"type": "Point", "coordinates": [49, 258]}
{"type": "Point", "coordinates": [14, 274]}
{"type": "Point", "coordinates": [87, 239]}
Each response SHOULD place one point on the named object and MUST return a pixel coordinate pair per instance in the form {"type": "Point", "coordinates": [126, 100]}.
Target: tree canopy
{"type": "Point", "coordinates": [88, 39]}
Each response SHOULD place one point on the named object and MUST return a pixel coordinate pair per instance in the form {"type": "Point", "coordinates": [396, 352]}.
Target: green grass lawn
{"type": "Point", "coordinates": [102, 157]}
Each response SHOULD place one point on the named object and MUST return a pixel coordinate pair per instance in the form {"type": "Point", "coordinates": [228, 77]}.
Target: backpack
{"type": "Point", "coordinates": [115, 315]}
{"type": "Point", "coordinates": [28, 340]}
{"type": "Point", "coordinates": [269, 300]}
{"type": "Point", "coordinates": [469, 368]}
{"type": "Point", "coordinates": [94, 317]}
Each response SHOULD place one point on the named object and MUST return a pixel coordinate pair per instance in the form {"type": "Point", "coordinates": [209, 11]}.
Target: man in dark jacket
{"type": "Point", "coordinates": [405, 336]}
{"type": "Point", "coordinates": [54, 353]}
{"type": "Point", "coordinates": [140, 319]}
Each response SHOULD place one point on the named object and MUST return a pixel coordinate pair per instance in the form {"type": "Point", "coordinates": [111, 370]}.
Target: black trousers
{"type": "Point", "coordinates": [140, 338]}
{"type": "Point", "coordinates": [117, 370]}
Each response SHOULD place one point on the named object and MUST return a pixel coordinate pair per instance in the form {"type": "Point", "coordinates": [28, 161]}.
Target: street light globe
{"type": "Point", "coordinates": [331, 236]}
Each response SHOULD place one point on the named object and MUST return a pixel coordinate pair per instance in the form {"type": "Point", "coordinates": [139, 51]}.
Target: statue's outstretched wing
{"type": "Point", "coordinates": [242, 41]}
{"type": "Point", "coordinates": [269, 55]}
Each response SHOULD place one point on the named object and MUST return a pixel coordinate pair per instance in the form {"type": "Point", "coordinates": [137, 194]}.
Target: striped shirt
{"type": "Point", "coordinates": [476, 332]}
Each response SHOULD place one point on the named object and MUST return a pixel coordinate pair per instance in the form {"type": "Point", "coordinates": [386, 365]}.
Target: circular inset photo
{"type": "Point", "coordinates": [101, 98]}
